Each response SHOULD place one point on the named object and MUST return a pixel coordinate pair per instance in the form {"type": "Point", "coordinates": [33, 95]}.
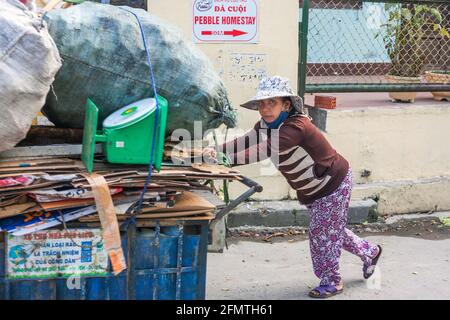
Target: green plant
{"type": "Point", "coordinates": [403, 36]}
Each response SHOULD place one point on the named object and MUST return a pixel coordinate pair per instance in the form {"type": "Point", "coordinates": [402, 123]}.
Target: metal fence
{"type": "Point", "coordinates": [351, 45]}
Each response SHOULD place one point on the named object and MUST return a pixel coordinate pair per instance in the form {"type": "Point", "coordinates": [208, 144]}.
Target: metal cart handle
{"type": "Point", "coordinates": [254, 187]}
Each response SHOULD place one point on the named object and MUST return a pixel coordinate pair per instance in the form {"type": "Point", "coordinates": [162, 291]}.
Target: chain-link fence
{"type": "Point", "coordinates": [362, 44]}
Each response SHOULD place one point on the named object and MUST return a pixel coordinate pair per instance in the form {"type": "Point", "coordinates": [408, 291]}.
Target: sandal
{"type": "Point", "coordinates": [323, 292]}
{"type": "Point", "coordinates": [369, 270]}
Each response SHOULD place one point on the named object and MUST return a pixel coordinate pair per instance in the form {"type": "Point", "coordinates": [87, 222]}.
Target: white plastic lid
{"type": "Point", "coordinates": [130, 113]}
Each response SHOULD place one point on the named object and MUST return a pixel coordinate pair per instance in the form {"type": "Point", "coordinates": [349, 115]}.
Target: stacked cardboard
{"type": "Point", "coordinates": [39, 193]}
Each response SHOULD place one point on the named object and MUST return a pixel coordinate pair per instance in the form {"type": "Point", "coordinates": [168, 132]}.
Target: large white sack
{"type": "Point", "coordinates": [29, 61]}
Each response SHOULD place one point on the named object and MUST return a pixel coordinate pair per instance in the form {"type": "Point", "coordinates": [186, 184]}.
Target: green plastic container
{"type": "Point", "coordinates": [127, 133]}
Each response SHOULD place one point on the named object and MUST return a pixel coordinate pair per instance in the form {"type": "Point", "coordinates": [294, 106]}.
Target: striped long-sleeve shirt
{"type": "Point", "coordinates": [300, 152]}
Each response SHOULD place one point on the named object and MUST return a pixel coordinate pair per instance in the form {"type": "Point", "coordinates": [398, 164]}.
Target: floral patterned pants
{"type": "Point", "coordinates": [328, 235]}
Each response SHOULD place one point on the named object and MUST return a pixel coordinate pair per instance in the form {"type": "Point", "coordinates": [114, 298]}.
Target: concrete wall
{"type": "Point", "coordinates": [356, 30]}
{"type": "Point", "coordinates": [406, 149]}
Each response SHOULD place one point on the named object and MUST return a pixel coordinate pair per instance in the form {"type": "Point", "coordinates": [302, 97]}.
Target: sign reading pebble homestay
{"type": "Point", "coordinates": [225, 20]}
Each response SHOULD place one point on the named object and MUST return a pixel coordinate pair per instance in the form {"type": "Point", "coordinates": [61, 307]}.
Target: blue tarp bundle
{"type": "Point", "coordinates": [104, 59]}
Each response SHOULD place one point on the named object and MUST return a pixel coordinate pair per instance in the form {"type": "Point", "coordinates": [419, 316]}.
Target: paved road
{"type": "Point", "coordinates": [409, 268]}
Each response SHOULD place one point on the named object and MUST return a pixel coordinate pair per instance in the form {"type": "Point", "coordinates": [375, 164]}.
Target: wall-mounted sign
{"type": "Point", "coordinates": [225, 21]}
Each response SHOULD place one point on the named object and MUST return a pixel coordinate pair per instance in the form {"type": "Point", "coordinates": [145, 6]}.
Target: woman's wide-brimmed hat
{"type": "Point", "coordinates": [274, 87]}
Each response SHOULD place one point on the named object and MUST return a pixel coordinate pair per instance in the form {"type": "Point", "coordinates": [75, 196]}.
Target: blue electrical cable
{"type": "Point", "coordinates": [150, 166]}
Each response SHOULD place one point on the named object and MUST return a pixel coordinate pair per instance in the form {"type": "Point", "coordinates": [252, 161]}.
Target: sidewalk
{"type": "Point", "coordinates": [410, 268]}
{"type": "Point", "coordinates": [347, 101]}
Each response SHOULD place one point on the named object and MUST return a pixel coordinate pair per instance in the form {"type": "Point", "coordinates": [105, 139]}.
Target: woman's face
{"type": "Point", "coordinates": [270, 109]}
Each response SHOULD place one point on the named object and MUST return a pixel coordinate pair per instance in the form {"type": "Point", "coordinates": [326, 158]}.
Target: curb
{"type": "Point", "coordinates": [292, 213]}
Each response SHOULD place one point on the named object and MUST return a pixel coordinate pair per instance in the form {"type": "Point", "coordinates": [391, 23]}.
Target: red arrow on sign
{"type": "Point", "coordinates": [234, 33]}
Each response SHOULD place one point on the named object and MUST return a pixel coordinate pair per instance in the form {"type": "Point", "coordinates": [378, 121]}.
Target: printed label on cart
{"type": "Point", "coordinates": [56, 253]}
